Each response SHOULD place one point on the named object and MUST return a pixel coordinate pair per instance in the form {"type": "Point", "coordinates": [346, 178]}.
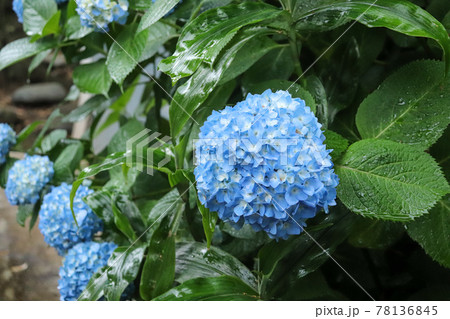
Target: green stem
{"type": "Point", "coordinates": [296, 55]}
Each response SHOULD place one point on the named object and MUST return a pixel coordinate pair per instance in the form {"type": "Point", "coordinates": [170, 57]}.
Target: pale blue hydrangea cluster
{"type": "Point", "coordinates": [56, 222]}
{"type": "Point", "coordinates": [27, 178]}
{"type": "Point", "coordinates": [263, 162]}
{"type": "Point", "coordinates": [80, 263]}
{"type": "Point", "coordinates": [18, 8]}
{"type": "Point", "coordinates": [98, 14]}
{"type": "Point", "coordinates": [7, 139]}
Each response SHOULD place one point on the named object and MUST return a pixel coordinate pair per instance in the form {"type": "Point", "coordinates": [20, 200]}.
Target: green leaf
{"type": "Point", "coordinates": [375, 234]}
{"type": "Point", "coordinates": [196, 90]}
{"type": "Point", "coordinates": [388, 180]}
{"type": "Point", "coordinates": [21, 49]}
{"type": "Point", "coordinates": [124, 54]}
{"type": "Point", "coordinates": [432, 232]}
{"type": "Point", "coordinates": [158, 34]}
{"type": "Point", "coordinates": [123, 268]}
{"type": "Point", "coordinates": [36, 14]}
{"type": "Point", "coordinates": [23, 212]}
{"type": "Point", "coordinates": [209, 220]}
{"type": "Point", "coordinates": [97, 103]}
{"type": "Point", "coordinates": [336, 142]}
{"type": "Point", "coordinates": [52, 25]}
{"type": "Point", "coordinates": [74, 29]}
{"type": "Point", "coordinates": [194, 260]}
{"type": "Point", "coordinates": [22, 136]}
{"type": "Point", "coordinates": [67, 162]}
{"type": "Point", "coordinates": [101, 204]}
{"type": "Point", "coordinates": [156, 11]}
{"type": "Point", "coordinates": [296, 90]}
{"type": "Point", "coordinates": [118, 142]}
{"type": "Point", "coordinates": [298, 256]}
{"type": "Point", "coordinates": [95, 287]}
{"type": "Point", "coordinates": [93, 78]}
{"type": "Point", "coordinates": [122, 222]}
{"type": "Point", "coordinates": [158, 272]}
{"type": "Point", "coordinates": [37, 60]}
{"type": "Point", "coordinates": [408, 108]}
{"type": "Point", "coordinates": [50, 141]}
{"type": "Point", "coordinates": [54, 115]}
{"type": "Point", "coordinates": [4, 170]}
{"type": "Point", "coordinates": [317, 90]}
{"type": "Point", "coordinates": [211, 289]}
{"type": "Point", "coordinates": [129, 209]}
{"type": "Point", "coordinates": [400, 15]}
{"type": "Point", "coordinates": [203, 38]}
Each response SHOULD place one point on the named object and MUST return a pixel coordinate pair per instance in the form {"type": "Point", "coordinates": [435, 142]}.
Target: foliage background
{"type": "Point", "coordinates": [378, 87]}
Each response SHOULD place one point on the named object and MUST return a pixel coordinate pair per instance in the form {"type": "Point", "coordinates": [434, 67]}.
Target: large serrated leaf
{"type": "Point", "coordinates": [156, 11]}
{"type": "Point", "coordinates": [204, 37]}
{"type": "Point", "coordinates": [36, 14]}
{"type": "Point", "coordinates": [410, 106]}
{"type": "Point", "coordinates": [388, 180]}
{"type": "Point", "coordinates": [432, 232]}
{"type": "Point", "coordinates": [399, 15]}
{"type": "Point", "coordinates": [92, 78]}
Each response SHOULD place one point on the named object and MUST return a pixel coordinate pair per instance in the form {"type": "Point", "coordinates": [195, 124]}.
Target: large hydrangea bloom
{"type": "Point", "coordinates": [263, 163]}
{"type": "Point", "coordinates": [80, 263]}
{"type": "Point", "coordinates": [27, 178]}
{"type": "Point", "coordinates": [98, 14]}
{"type": "Point", "coordinates": [18, 8]}
{"type": "Point", "coordinates": [56, 221]}
{"type": "Point", "coordinates": [7, 139]}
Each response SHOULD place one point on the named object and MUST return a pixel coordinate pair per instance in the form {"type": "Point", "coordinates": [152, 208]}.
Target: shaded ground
{"type": "Point", "coordinates": [28, 267]}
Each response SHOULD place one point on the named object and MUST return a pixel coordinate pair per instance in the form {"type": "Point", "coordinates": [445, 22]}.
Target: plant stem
{"type": "Point", "coordinates": [296, 55]}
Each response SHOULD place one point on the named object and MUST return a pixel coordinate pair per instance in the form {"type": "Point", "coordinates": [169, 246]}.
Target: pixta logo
{"type": "Point", "coordinates": [148, 150]}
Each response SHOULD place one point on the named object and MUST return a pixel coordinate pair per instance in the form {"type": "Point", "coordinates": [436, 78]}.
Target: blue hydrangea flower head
{"type": "Point", "coordinates": [263, 162]}
{"type": "Point", "coordinates": [7, 139]}
{"type": "Point", "coordinates": [80, 263]}
{"type": "Point", "coordinates": [18, 9]}
{"type": "Point", "coordinates": [56, 222]}
{"type": "Point", "coordinates": [27, 178]}
{"type": "Point", "coordinates": [98, 14]}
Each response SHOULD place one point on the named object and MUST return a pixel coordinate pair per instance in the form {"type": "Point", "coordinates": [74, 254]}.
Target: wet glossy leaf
{"type": "Point", "coordinates": [209, 220]}
{"type": "Point", "coordinates": [387, 180]}
{"type": "Point", "coordinates": [95, 287]}
{"type": "Point", "coordinates": [203, 38]}
{"type": "Point", "coordinates": [122, 222]}
{"type": "Point", "coordinates": [96, 103]}
{"type": "Point", "coordinates": [67, 162]}
{"type": "Point", "coordinates": [195, 260]}
{"type": "Point", "coordinates": [375, 234]}
{"type": "Point", "coordinates": [21, 49]}
{"type": "Point", "coordinates": [432, 232]}
{"type": "Point", "coordinates": [123, 268]}
{"type": "Point", "coordinates": [197, 89]}
{"type": "Point", "coordinates": [409, 106]}
{"type": "Point", "coordinates": [400, 15]}
{"type": "Point", "coordinates": [210, 289]}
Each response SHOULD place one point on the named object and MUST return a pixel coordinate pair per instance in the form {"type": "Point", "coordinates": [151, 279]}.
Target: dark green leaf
{"type": "Point", "coordinates": [432, 232]}
{"type": "Point", "coordinates": [375, 234]}
{"type": "Point", "coordinates": [388, 180]}
{"type": "Point", "coordinates": [67, 162]}
{"type": "Point", "coordinates": [400, 15]}
{"type": "Point", "coordinates": [203, 38]}
{"type": "Point", "coordinates": [336, 142]}
{"type": "Point", "coordinates": [123, 268]}
{"type": "Point", "coordinates": [53, 116]}
{"type": "Point", "coordinates": [122, 222]}
{"type": "Point", "coordinates": [210, 289]}
{"type": "Point", "coordinates": [37, 60]}
{"type": "Point", "coordinates": [93, 78]}
{"type": "Point", "coordinates": [50, 141]}
{"type": "Point", "coordinates": [209, 220]}
{"type": "Point", "coordinates": [4, 170]}
{"type": "Point", "coordinates": [22, 136]}
{"type": "Point", "coordinates": [408, 107]}
{"type": "Point", "coordinates": [194, 260]}
{"type": "Point", "coordinates": [96, 103]}
{"type": "Point", "coordinates": [23, 212]}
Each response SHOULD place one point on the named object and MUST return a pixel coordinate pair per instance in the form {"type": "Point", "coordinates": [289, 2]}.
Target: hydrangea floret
{"type": "Point", "coordinates": [98, 14]}
{"type": "Point", "coordinates": [80, 263]}
{"type": "Point", "coordinates": [56, 221]}
{"type": "Point", "coordinates": [263, 162]}
{"type": "Point", "coordinates": [7, 139]}
{"type": "Point", "coordinates": [26, 179]}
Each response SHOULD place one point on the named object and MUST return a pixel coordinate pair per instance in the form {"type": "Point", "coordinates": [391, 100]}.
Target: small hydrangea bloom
{"type": "Point", "coordinates": [27, 178]}
{"type": "Point", "coordinates": [18, 8]}
{"type": "Point", "coordinates": [7, 139]}
{"type": "Point", "coordinates": [98, 14]}
{"type": "Point", "coordinates": [263, 162]}
{"type": "Point", "coordinates": [80, 263]}
{"type": "Point", "coordinates": [56, 222]}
